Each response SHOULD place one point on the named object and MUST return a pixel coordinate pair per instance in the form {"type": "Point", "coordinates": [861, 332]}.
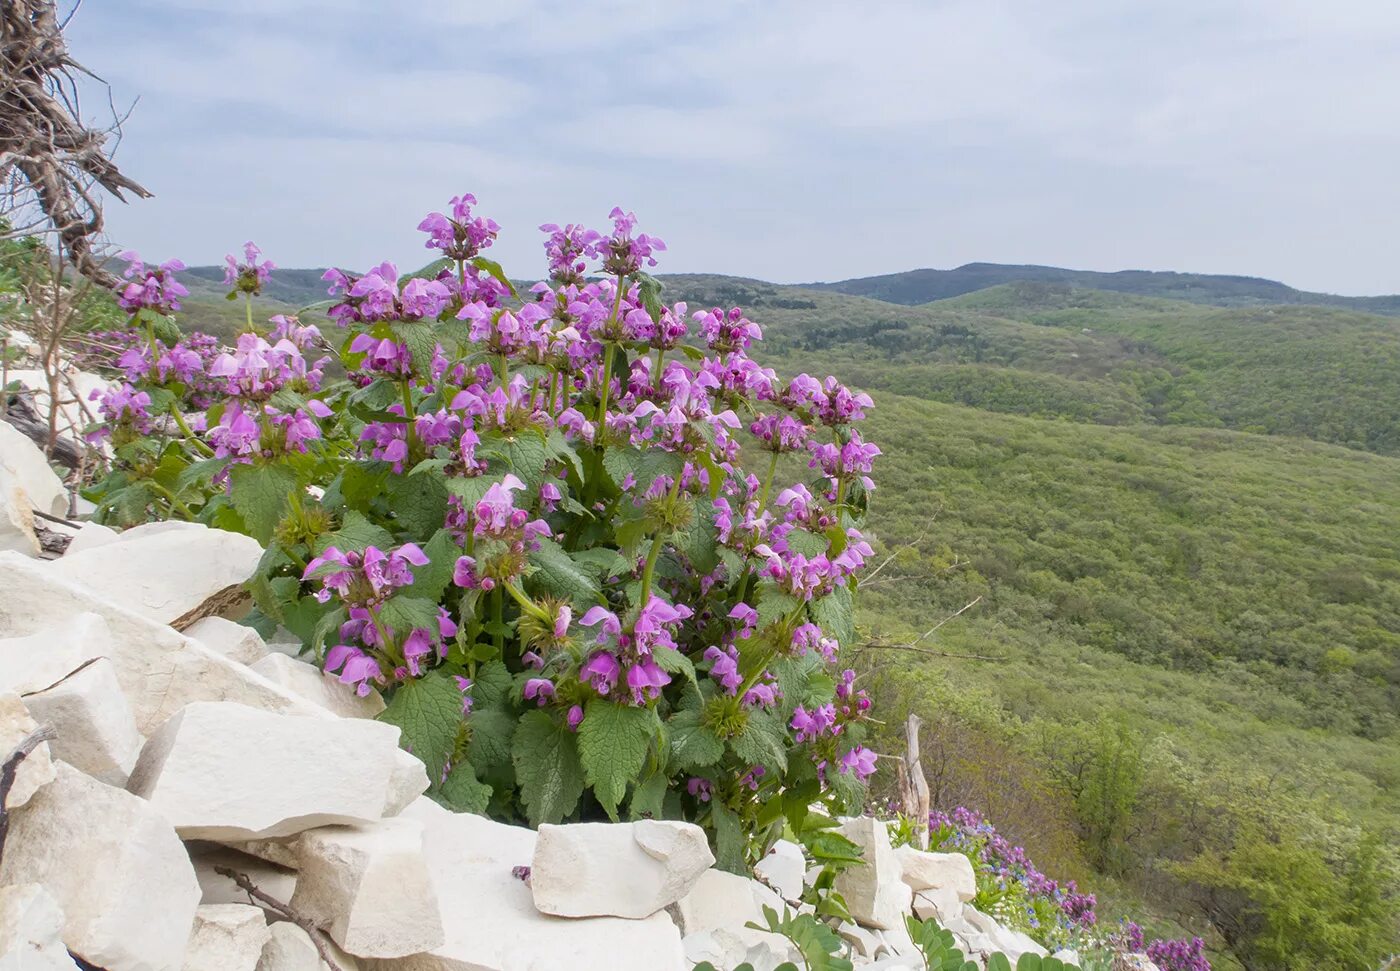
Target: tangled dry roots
{"type": "Point", "coordinates": [51, 163]}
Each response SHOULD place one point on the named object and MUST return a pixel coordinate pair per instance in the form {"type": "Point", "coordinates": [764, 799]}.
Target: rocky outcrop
{"type": "Point", "coordinates": [209, 801]}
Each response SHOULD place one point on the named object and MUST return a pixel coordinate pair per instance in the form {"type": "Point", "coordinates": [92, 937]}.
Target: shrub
{"type": "Point", "coordinates": [527, 518]}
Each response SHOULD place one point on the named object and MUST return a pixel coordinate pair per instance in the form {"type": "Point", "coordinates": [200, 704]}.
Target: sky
{"type": "Point", "coordinates": [789, 140]}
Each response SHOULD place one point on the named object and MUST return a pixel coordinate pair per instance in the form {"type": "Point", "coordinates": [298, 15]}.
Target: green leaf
{"type": "Point", "coordinates": [835, 615]}
{"type": "Point", "coordinates": [729, 840]}
{"type": "Point", "coordinates": [773, 604]}
{"type": "Point", "coordinates": [648, 798]}
{"type": "Point", "coordinates": [260, 494]}
{"type": "Point", "coordinates": [673, 661]}
{"type": "Point", "coordinates": [762, 742]}
{"type": "Point", "coordinates": [491, 732]}
{"type": "Point", "coordinates": [492, 685]}
{"type": "Point", "coordinates": [644, 466]}
{"type": "Point", "coordinates": [613, 743]}
{"type": "Point", "coordinates": [428, 712]}
{"type": "Point", "coordinates": [524, 454]}
{"type": "Point", "coordinates": [356, 534]}
{"type": "Point", "coordinates": [807, 543]}
{"type": "Point", "coordinates": [602, 561]}
{"type": "Point", "coordinates": [430, 581]}
{"type": "Point", "coordinates": [402, 614]}
{"type": "Point", "coordinates": [559, 575]}
{"type": "Point", "coordinates": [649, 290]}
{"type": "Point", "coordinates": [377, 396]}
{"type": "Point", "coordinates": [421, 341]}
{"type": "Point", "coordinates": [495, 270]}
{"type": "Point", "coordinates": [693, 745]}
{"type": "Point", "coordinates": [420, 503]}
{"type": "Point", "coordinates": [547, 768]}
{"type": "Point", "coordinates": [462, 792]}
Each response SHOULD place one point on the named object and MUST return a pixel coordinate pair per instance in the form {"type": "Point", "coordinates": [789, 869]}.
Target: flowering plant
{"type": "Point", "coordinates": [529, 520]}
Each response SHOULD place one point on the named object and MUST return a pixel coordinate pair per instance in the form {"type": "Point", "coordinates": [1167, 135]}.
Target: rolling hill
{"type": "Point", "coordinates": [928, 285]}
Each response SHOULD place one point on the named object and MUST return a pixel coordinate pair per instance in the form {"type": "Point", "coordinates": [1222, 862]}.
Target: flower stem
{"type": "Point", "coordinates": [248, 307]}
{"type": "Point", "coordinates": [185, 429]}
{"type": "Point", "coordinates": [175, 504]}
{"type": "Point", "coordinates": [409, 413]}
{"type": "Point", "coordinates": [498, 603]}
{"type": "Point", "coordinates": [768, 483]}
{"type": "Point", "coordinates": [526, 604]}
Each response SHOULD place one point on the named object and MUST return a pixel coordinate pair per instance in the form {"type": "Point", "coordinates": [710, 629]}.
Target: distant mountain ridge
{"type": "Point", "coordinates": [927, 285]}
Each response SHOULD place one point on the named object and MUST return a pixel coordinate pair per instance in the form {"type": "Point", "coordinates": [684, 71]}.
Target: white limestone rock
{"type": "Point", "coordinates": [224, 771]}
{"type": "Point", "coordinates": [290, 949]}
{"type": "Point", "coordinates": [216, 888]}
{"type": "Point", "coordinates": [864, 942]}
{"type": "Point", "coordinates": [313, 684]}
{"type": "Point", "coordinates": [1014, 943]}
{"type": "Point", "coordinates": [1067, 955]}
{"type": "Point", "coordinates": [874, 891]}
{"type": "Point", "coordinates": [616, 869]}
{"type": "Point", "coordinates": [942, 905]}
{"type": "Point", "coordinates": [784, 869]}
{"type": "Point", "coordinates": [931, 871]}
{"type": "Point", "coordinates": [279, 852]}
{"type": "Point", "coordinates": [226, 937]}
{"type": "Point", "coordinates": [37, 769]}
{"type": "Point", "coordinates": [235, 641]}
{"type": "Point", "coordinates": [160, 669]}
{"type": "Point", "coordinates": [90, 536]}
{"type": "Point", "coordinates": [114, 865]}
{"type": "Point", "coordinates": [31, 931]}
{"type": "Point", "coordinates": [368, 887]}
{"type": "Point", "coordinates": [26, 483]}
{"type": "Point", "coordinates": [1138, 962]}
{"type": "Point", "coordinates": [713, 915]}
{"type": "Point", "coordinates": [493, 924]}
{"type": "Point", "coordinates": [96, 730]}
{"type": "Point", "coordinates": [163, 575]}
{"type": "Point", "coordinates": [39, 660]}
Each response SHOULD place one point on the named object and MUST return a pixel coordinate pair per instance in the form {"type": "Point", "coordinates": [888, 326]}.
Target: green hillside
{"type": "Point", "coordinates": [1086, 355]}
{"type": "Point", "coordinates": [1188, 589]}
{"type": "Point", "coordinates": [924, 286]}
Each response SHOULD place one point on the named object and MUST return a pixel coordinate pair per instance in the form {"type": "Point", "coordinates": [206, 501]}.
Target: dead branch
{"type": "Point", "coordinates": [51, 161]}
{"type": "Point", "coordinates": [10, 769]}
{"type": "Point", "coordinates": [269, 902]}
{"type": "Point", "coordinates": [913, 784]}
{"type": "Point", "coordinates": [914, 644]}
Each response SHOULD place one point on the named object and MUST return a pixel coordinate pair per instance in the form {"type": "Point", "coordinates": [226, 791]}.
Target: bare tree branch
{"type": "Point", "coordinates": [269, 902]}
{"type": "Point", "coordinates": [10, 769]}
{"type": "Point", "coordinates": [51, 161]}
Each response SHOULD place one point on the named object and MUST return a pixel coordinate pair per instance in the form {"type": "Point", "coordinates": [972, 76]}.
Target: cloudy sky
{"type": "Point", "coordinates": [791, 140]}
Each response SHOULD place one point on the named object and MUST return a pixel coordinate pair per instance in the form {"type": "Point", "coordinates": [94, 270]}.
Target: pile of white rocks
{"type": "Point", "coordinates": [210, 803]}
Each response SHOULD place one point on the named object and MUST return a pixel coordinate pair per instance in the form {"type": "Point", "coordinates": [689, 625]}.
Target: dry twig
{"type": "Point", "coordinates": [269, 902]}
{"type": "Point", "coordinates": [10, 768]}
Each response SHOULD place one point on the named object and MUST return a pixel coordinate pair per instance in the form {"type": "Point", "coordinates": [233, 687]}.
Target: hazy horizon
{"type": "Point", "coordinates": [792, 143]}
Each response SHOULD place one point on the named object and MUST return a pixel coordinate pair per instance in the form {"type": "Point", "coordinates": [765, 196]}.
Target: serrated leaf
{"type": "Point", "coordinates": [559, 575]}
{"type": "Point", "coordinates": [421, 341]}
{"type": "Point", "coordinates": [356, 534]}
{"type": "Point", "coordinates": [835, 615]}
{"type": "Point", "coordinates": [693, 745]}
{"type": "Point", "coordinates": [807, 543]}
{"type": "Point", "coordinates": [773, 604]}
{"type": "Point", "coordinates": [649, 292]}
{"type": "Point", "coordinates": [762, 742]}
{"type": "Point", "coordinates": [428, 711]}
{"type": "Point", "coordinates": [491, 732]}
{"type": "Point", "coordinates": [643, 465]}
{"type": "Point", "coordinates": [602, 561]}
{"type": "Point", "coordinates": [547, 768]}
{"type": "Point", "coordinates": [494, 269]}
{"type": "Point", "coordinates": [402, 614]}
{"type": "Point", "coordinates": [613, 743]}
{"type": "Point", "coordinates": [673, 661]}
{"type": "Point", "coordinates": [729, 839]}
{"type": "Point", "coordinates": [523, 453]}
{"type": "Point", "coordinates": [462, 792]}
{"type": "Point", "coordinates": [430, 581]}
{"type": "Point", "coordinates": [648, 798]}
{"type": "Point", "coordinates": [420, 503]}
{"type": "Point", "coordinates": [260, 493]}
{"type": "Point", "coordinates": [492, 685]}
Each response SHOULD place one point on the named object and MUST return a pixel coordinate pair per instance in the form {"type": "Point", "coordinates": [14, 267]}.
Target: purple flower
{"type": "Point", "coordinates": [701, 789]}
{"type": "Point", "coordinates": [859, 760]}
{"type": "Point", "coordinates": [460, 236]}
{"type": "Point", "coordinates": [724, 668]}
{"type": "Point", "coordinates": [611, 626]}
{"type": "Point", "coordinates": [250, 275]}
{"type": "Point", "coordinates": [575, 717]}
{"type": "Point", "coordinates": [646, 679]}
{"type": "Point", "coordinates": [539, 690]}
{"type": "Point", "coordinates": [601, 671]}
